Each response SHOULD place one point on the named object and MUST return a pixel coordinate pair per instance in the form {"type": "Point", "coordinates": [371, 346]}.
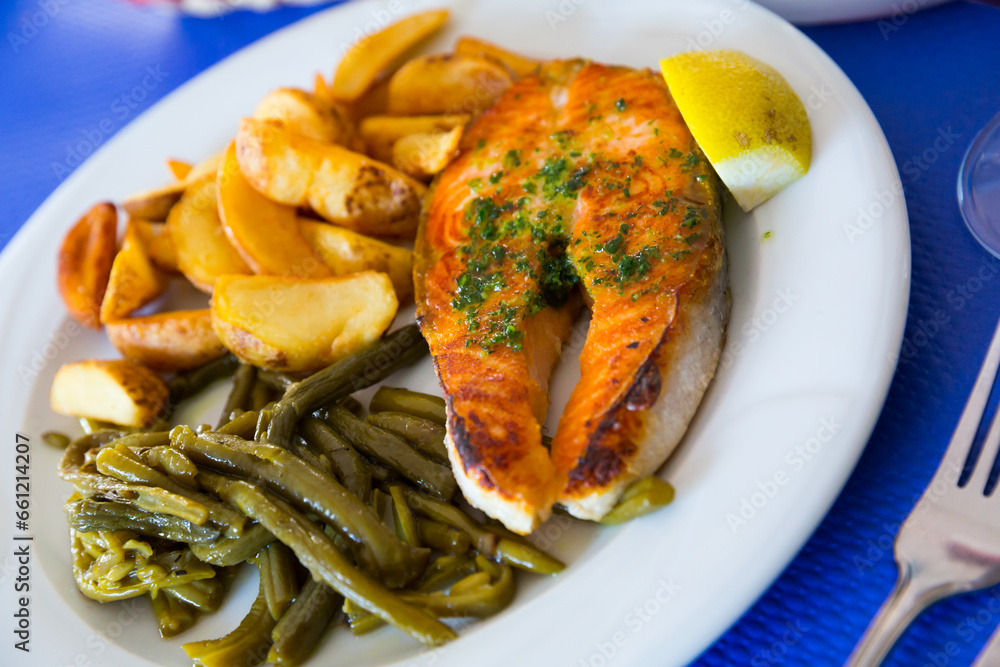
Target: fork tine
{"type": "Point", "coordinates": [968, 424]}
{"type": "Point", "coordinates": [987, 455]}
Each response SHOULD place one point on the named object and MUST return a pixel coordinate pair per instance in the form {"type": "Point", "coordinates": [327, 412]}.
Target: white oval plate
{"type": "Point", "coordinates": [817, 318]}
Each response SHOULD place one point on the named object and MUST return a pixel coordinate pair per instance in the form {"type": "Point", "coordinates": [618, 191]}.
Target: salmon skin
{"type": "Point", "coordinates": [581, 184]}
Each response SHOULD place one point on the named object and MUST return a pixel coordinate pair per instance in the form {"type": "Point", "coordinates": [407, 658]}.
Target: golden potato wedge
{"type": "Point", "coordinates": [265, 233]}
{"type": "Point", "coordinates": [158, 244]}
{"type": "Point", "coordinates": [424, 154]}
{"type": "Point", "coordinates": [441, 84]}
{"type": "Point", "coordinates": [84, 263]}
{"type": "Point", "coordinates": [342, 186]}
{"type": "Point", "coordinates": [346, 252]}
{"type": "Point", "coordinates": [309, 115]}
{"type": "Point", "coordinates": [301, 325]}
{"type": "Point", "coordinates": [171, 341]}
{"type": "Point", "coordinates": [134, 280]}
{"type": "Point", "coordinates": [155, 204]}
{"type": "Point", "coordinates": [179, 168]}
{"type": "Point", "coordinates": [203, 249]}
{"type": "Point", "coordinates": [377, 54]}
{"type": "Point", "coordinates": [380, 133]}
{"type": "Point", "coordinates": [373, 103]}
{"type": "Point", "coordinates": [321, 87]}
{"type": "Point", "coordinates": [516, 63]}
{"type": "Point", "coordinates": [121, 392]}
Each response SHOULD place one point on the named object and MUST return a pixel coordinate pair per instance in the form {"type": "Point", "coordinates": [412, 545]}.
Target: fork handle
{"type": "Point", "coordinates": [906, 601]}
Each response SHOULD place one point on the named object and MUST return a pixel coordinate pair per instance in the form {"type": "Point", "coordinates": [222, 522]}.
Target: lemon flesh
{"type": "Point", "coordinates": [749, 122]}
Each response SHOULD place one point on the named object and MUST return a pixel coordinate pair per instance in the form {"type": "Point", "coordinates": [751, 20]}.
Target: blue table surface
{"type": "Point", "coordinates": [930, 74]}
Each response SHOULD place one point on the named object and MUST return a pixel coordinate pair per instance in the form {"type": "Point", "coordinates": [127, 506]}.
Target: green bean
{"type": "Point", "coordinates": [425, 435]}
{"type": "Point", "coordinates": [348, 465]}
{"type": "Point", "coordinates": [360, 370]}
{"type": "Point", "coordinates": [406, 525]}
{"type": "Point", "coordinates": [188, 383]}
{"type": "Point", "coordinates": [276, 564]}
{"type": "Point", "coordinates": [91, 426]}
{"type": "Point", "coordinates": [261, 396]}
{"type": "Point", "coordinates": [168, 460]}
{"type": "Point", "coordinates": [394, 452]}
{"type": "Point", "coordinates": [302, 450]}
{"type": "Point", "coordinates": [243, 425]}
{"type": "Point", "coordinates": [476, 601]}
{"type": "Point", "coordinates": [88, 516]}
{"type": "Point", "coordinates": [247, 644]}
{"type": "Point", "coordinates": [352, 404]}
{"type": "Point", "coordinates": [520, 555]}
{"type": "Point", "coordinates": [301, 627]}
{"type": "Point", "coordinates": [264, 418]}
{"type": "Point", "coordinates": [318, 554]}
{"type": "Point", "coordinates": [442, 538]}
{"type": "Point", "coordinates": [275, 380]}
{"type": "Point", "coordinates": [56, 439]}
{"type": "Point", "coordinates": [639, 499]}
{"type": "Point", "coordinates": [374, 544]}
{"type": "Point", "coordinates": [239, 395]}
{"type": "Point", "coordinates": [228, 551]}
{"type": "Point", "coordinates": [381, 473]}
{"type": "Point", "coordinates": [379, 502]}
{"type": "Point", "coordinates": [148, 498]}
{"type": "Point", "coordinates": [205, 595]}
{"type": "Point", "coordinates": [115, 462]}
{"type": "Point", "coordinates": [144, 440]}
{"type": "Point", "coordinates": [472, 596]}
{"type": "Point", "coordinates": [424, 406]}
{"type": "Point", "coordinates": [445, 571]}
{"type": "Point", "coordinates": [172, 615]}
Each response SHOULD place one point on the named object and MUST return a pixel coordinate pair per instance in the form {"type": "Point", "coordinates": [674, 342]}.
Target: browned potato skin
{"type": "Point", "coordinates": [134, 280]}
{"type": "Point", "coordinates": [424, 154]}
{"type": "Point", "coordinates": [167, 342]}
{"type": "Point", "coordinates": [343, 187]}
{"type": "Point", "coordinates": [377, 54]}
{"type": "Point", "coordinates": [380, 133]}
{"type": "Point", "coordinates": [84, 263]}
{"type": "Point", "coordinates": [81, 389]}
{"type": "Point", "coordinates": [346, 252]}
{"type": "Point", "coordinates": [518, 64]}
{"type": "Point", "coordinates": [310, 115]}
{"type": "Point", "coordinates": [447, 84]}
{"type": "Point", "coordinates": [265, 233]}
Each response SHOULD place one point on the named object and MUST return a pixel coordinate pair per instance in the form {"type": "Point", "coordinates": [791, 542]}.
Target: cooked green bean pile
{"type": "Point", "coordinates": [344, 516]}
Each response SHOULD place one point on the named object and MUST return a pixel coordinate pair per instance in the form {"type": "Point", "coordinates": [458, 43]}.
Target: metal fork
{"type": "Point", "coordinates": [950, 542]}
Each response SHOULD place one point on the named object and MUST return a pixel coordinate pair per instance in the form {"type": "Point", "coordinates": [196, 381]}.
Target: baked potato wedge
{"type": "Point", "coordinates": [375, 55]}
{"type": "Point", "coordinates": [121, 392]}
{"type": "Point", "coordinates": [344, 187]}
{"type": "Point", "coordinates": [179, 168]}
{"type": "Point", "coordinates": [346, 252]}
{"type": "Point", "coordinates": [158, 244]}
{"type": "Point", "coordinates": [84, 263]}
{"type": "Point", "coordinates": [203, 249]}
{"type": "Point", "coordinates": [380, 133]}
{"type": "Point", "coordinates": [155, 204]}
{"type": "Point", "coordinates": [446, 84]}
{"type": "Point", "coordinates": [172, 341]}
{"type": "Point", "coordinates": [134, 281]}
{"type": "Point", "coordinates": [310, 115]}
{"type": "Point", "coordinates": [301, 325]}
{"type": "Point", "coordinates": [516, 63]}
{"type": "Point", "coordinates": [424, 154]}
{"type": "Point", "coordinates": [265, 233]}
{"type": "Point", "coordinates": [372, 103]}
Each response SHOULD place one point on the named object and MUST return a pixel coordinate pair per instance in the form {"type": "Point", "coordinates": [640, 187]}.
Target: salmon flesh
{"type": "Point", "coordinates": [580, 186]}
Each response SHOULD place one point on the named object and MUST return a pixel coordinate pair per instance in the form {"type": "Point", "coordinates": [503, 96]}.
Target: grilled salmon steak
{"type": "Point", "coordinates": [580, 184]}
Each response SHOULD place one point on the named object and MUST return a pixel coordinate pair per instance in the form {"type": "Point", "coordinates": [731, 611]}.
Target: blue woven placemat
{"type": "Point", "coordinates": [72, 73]}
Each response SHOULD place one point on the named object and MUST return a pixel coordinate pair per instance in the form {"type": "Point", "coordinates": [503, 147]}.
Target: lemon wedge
{"type": "Point", "coordinates": [749, 122]}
